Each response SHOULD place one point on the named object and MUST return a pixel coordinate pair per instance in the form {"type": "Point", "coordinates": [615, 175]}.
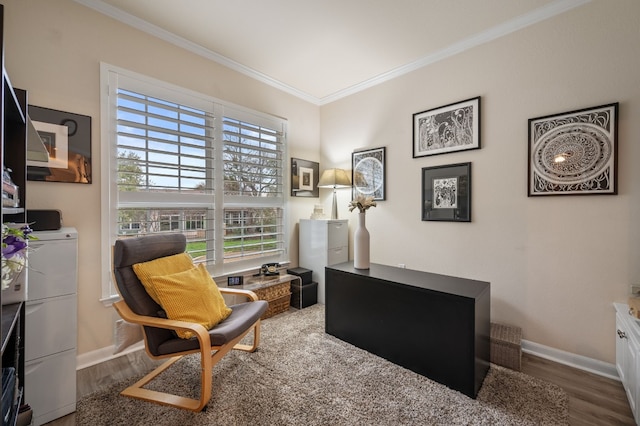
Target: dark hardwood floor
{"type": "Point", "coordinates": [593, 400]}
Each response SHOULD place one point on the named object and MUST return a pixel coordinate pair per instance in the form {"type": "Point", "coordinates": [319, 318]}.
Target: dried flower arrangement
{"type": "Point", "coordinates": [362, 203]}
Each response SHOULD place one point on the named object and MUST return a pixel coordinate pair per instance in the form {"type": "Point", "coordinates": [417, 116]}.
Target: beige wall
{"type": "Point", "coordinates": [54, 50]}
{"type": "Point", "coordinates": [556, 264]}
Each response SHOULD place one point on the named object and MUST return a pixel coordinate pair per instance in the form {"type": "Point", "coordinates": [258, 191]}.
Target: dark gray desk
{"type": "Point", "coordinates": [435, 325]}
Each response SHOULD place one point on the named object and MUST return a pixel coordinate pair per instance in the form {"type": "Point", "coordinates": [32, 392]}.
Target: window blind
{"type": "Point", "coordinates": [252, 160]}
{"type": "Point", "coordinates": [184, 162]}
{"type": "Point", "coordinates": [163, 146]}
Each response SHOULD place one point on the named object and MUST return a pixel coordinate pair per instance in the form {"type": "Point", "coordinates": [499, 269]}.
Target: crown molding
{"type": "Point", "coordinates": [154, 30]}
{"type": "Point", "coordinates": [548, 11]}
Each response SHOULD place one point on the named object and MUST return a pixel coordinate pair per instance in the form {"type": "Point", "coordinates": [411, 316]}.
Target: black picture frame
{"type": "Point", "coordinates": [67, 138]}
{"type": "Point", "coordinates": [368, 173]}
{"type": "Point", "coordinates": [446, 193]}
{"type": "Point", "coordinates": [449, 128]}
{"type": "Point", "coordinates": [304, 178]}
{"type": "Point", "coordinates": [574, 153]}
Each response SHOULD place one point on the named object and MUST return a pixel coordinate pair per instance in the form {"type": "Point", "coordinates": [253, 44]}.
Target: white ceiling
{"type": "Point", "coordinates": [322, 50]}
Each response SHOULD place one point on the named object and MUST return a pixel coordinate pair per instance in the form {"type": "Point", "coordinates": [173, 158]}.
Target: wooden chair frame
{"type": "Point", "coordinates": [207, 359]}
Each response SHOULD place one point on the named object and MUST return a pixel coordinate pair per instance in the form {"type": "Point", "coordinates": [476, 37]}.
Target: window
{"type": "Point", "coordinates": [178, 161]}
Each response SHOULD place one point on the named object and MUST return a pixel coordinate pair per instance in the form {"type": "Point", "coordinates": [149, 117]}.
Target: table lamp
{"type": "Point", "coordinates": [334, 178]}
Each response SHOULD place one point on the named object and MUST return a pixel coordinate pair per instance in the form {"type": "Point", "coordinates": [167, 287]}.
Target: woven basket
{"type": "Point", "coordinates": [506, 349]}
{"type": "Point", "coordinates": [277, 306]}
{"type": "Point", "coordinates": [273, 292]}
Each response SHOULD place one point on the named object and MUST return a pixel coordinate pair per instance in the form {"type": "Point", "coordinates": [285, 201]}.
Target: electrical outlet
{"type": "Point", "coordinates": [401, 265]}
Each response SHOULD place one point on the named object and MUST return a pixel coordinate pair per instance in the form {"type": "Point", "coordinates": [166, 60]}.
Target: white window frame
{"type": "Point", "coordinates": [112, 77]}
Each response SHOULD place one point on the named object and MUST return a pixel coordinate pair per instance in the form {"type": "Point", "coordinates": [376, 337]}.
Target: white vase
{"type": "Point", "coordinates": [361, 244]}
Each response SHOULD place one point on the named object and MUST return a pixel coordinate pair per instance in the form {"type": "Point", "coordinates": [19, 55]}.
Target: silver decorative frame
{"type": "Point", "coordinates": [368, 175]}
{"type": "Point", "coordinates": [574, 153]}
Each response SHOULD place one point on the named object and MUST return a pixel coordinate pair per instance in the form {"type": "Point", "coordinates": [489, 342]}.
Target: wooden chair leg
{"type": "Point", "coordinates": [207, 361]}
{"type": "Point", "coordinates": [256, 339]}
{"type": "Point", "coordinates": [137, 391]}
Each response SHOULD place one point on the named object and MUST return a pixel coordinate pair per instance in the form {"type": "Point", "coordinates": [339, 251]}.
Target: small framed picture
{"type": "Point", "coordinates": [446, 193]}
{"type": "Point", "coordinates": [574, 153]}
{"type": "Point", "coordinates": [368, 173]}
{"type": "Point", "coordinates": [304, 178]}
{"type": "Point", "coordinates": [66, 138]}
{"type": "Point", "coordinates": [449, 128]}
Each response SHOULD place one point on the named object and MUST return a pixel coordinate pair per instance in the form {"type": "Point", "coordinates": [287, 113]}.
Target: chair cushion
{"type": "Point", "coordinates": [191, 296]}
{"type": "Point", "coordinates": [162, 266]}
{"type": "Point", "coordinates": [129, 251]}
{"type": "Point", "coordinates": [126, 253]}
{"type": "Point", "coordinates": [243, 315]}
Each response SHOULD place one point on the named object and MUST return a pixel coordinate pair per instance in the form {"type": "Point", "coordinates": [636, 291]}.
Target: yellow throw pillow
{"type": "Point", "coordinates": [191, 296]}
{"type": "Point", "coordinates": [162, 266]}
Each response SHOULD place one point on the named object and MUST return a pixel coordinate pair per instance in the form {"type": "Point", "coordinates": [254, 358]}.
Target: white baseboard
{"type": "Point", "coordinates": [591, 365]}
{"type": "Point", "coordinates": [104, 354]}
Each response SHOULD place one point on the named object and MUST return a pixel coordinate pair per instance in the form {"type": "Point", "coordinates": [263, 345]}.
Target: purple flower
{"type": "Point", "coordinates": [13, 245]}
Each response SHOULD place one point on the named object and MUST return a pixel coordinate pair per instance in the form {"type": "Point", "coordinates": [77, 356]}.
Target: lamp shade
{"type": "Point", "coordinates": [334, 178]}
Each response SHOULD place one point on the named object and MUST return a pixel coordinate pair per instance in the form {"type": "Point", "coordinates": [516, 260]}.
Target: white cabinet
{"type": "Point", "coordinates": [628, 354]}
{"type": "Point", "coordinates": [51, 325]}
{"type": "Point", "coordinates": [322, 243]}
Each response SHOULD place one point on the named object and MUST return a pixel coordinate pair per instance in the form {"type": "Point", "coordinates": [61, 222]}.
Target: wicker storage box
{"type": "Point", "coordinates": [277, 306]}
{"type": "Point", "coordinates": [506, 346]}
{"type": "Point", "coordinates": [278, 296]}
{"type": "Point", "coordinates": [634, 307]}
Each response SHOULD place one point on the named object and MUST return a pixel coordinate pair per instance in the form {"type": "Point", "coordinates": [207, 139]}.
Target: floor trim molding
{"type": "Point", "coordinates": [591, 365]}
{"type": "Point", "coordinates": [580, 362]}
{"type": "Point", "coordinates": [105, 354]}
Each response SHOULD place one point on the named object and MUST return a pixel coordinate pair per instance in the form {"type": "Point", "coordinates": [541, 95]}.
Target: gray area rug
{"type": "Point", "coordinates": [302, 376]}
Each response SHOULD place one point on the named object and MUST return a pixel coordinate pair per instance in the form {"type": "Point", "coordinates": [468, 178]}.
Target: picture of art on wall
{"type": "Point", "coordinates": [574, 153]}
{"type": "Point", "coordinates": [67, 139]}
{"type": "Point", "coordinates": [449, 128]}
{"type": "Point", "coordinates": [304, 178]}
{"type": "Point", "coordinates": [446, 193]}
{"type": "Point", "coordinates": [368, 173]}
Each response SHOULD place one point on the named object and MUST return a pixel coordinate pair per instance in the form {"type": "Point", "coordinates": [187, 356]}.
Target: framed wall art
{"type": "Point", "coordinates": [368, 173]}
{"type": "Point", "coordinates": [449, 128]}
{"type": "Point", "coordinates": [446, 193]}
{"type": "Point", "coordinates": [67, 138]}
{"type": "Point", "coordinates": [574, 153]}
{"type": "Point", "coordinates": [304, 178]}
